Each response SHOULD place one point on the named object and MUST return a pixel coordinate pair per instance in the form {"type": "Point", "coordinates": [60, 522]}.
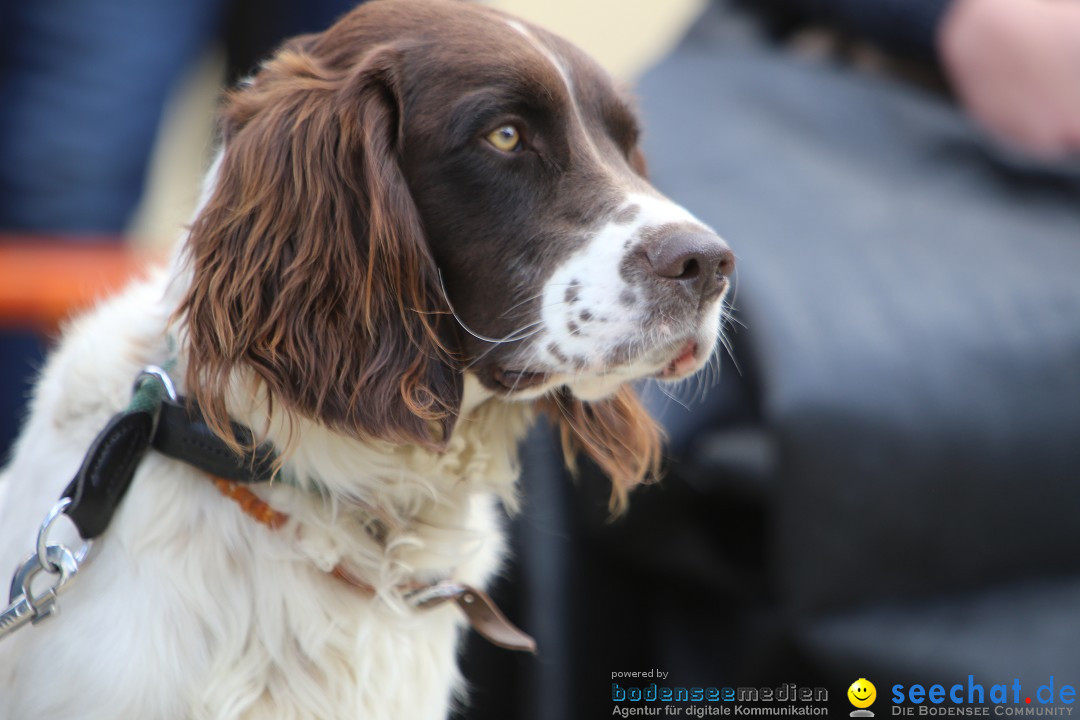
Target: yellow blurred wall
{"type": "Point", "coordinates": [625, 36]}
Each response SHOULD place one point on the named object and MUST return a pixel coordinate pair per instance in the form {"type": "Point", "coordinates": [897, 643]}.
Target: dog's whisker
{"type": "Point", "coordinates": [508, 338]}
{"type": "Point", "coordinates": [485, 353]}
{"type": "Point", "coordinates": [516, 305]}
{"type": "Point", "coordinates": [522, 333]}
{"type": "Point", "coordinates": [671, 397]}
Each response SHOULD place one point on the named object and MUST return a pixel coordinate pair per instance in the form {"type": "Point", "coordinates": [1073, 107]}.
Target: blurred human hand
{"type": "Point", "coordinates": [1015, 65]}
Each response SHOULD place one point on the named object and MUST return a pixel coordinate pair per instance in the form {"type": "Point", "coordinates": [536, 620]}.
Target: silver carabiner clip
{"type": "Point", "coordinates": [51, 558]}
{"type": "Point", "coordinates": [25, 607]}
{"type": "Point", "coordinates": [62, 564]}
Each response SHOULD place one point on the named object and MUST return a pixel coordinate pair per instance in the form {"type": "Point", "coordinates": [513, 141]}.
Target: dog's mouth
{"type": "Point", "coordinates": [513, 380]}
{"type": "Point", "coordinates": [682, 364]}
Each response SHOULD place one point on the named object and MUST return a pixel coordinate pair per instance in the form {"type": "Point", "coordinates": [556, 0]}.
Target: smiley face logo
{"type": "Point", "coordinates": [862, 693]}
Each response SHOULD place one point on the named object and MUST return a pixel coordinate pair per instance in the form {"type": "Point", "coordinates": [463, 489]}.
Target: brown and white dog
{"type": "Point", "coordinates": [426, 225]}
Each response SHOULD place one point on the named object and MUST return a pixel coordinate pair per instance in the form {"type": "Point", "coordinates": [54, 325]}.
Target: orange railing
{"type": "Point", "coordinates": [43, 280]}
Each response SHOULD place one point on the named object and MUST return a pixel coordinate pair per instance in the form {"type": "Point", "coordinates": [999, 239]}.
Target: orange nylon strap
{"type": "Point", "coordinates": [250, 503]}
{"type": "Point", "coordinates": [262, 513]}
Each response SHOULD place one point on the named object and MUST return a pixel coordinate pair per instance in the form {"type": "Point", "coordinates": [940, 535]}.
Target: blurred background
{"type": "Point", "coordinates": [884, 480]}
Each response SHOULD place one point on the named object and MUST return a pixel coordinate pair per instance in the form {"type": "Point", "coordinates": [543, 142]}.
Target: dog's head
{"type": "Point", "coordinates": [433, 188]}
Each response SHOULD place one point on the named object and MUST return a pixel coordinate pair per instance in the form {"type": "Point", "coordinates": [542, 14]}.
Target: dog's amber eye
{"type": "Point", "coordinates": [506, 138]}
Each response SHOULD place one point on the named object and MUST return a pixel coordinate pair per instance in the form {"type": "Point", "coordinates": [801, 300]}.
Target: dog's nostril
{"type": "Point", "coordinates": [696, 258]}
{"type": "Point", "coordinates": [727, 264]}
{"type": "Point", "coordinates": [690, 270]}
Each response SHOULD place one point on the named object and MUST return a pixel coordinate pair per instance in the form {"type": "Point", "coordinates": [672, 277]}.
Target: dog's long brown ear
{"type": "Point", "coordinates": [617, 433]}
{"type": "Point", "coordinates": [310, 264]}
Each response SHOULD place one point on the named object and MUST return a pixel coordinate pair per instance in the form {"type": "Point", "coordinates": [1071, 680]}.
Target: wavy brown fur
{"type": "Point", "coordinates": [310, 263]}
{"type": "Point", "coordinates": [617, 433]}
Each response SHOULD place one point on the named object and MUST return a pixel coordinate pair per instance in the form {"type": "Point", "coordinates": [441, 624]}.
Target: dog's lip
{"type": "Point", "coordinates": [683, 361]}
{"type": "Point", "coordinates": [518, 379]}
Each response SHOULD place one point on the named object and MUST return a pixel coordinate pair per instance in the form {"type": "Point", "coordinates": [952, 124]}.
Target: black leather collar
{"type": "Point", "coordinates": [182, 434]}
{"type": "Point", "coordinates": [174, 428]}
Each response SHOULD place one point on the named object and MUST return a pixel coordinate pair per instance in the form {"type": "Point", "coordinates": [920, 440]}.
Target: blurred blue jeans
{"type": "Point", "coordinates": [82, 88]}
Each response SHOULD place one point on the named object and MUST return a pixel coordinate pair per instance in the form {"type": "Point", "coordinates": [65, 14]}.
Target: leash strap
{"type": "Point", "coordinates": [106, 472]}
{"type": "Point", "coordinates": [91, 498]}
{"type": "Point", "coordinates": [484, 616]}
{"type": "Point", "coordinates": [156, 418]}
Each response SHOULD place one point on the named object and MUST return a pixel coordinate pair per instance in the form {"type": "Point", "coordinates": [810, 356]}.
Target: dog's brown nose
{"type": "Point", "coordinates": [696, 258]}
